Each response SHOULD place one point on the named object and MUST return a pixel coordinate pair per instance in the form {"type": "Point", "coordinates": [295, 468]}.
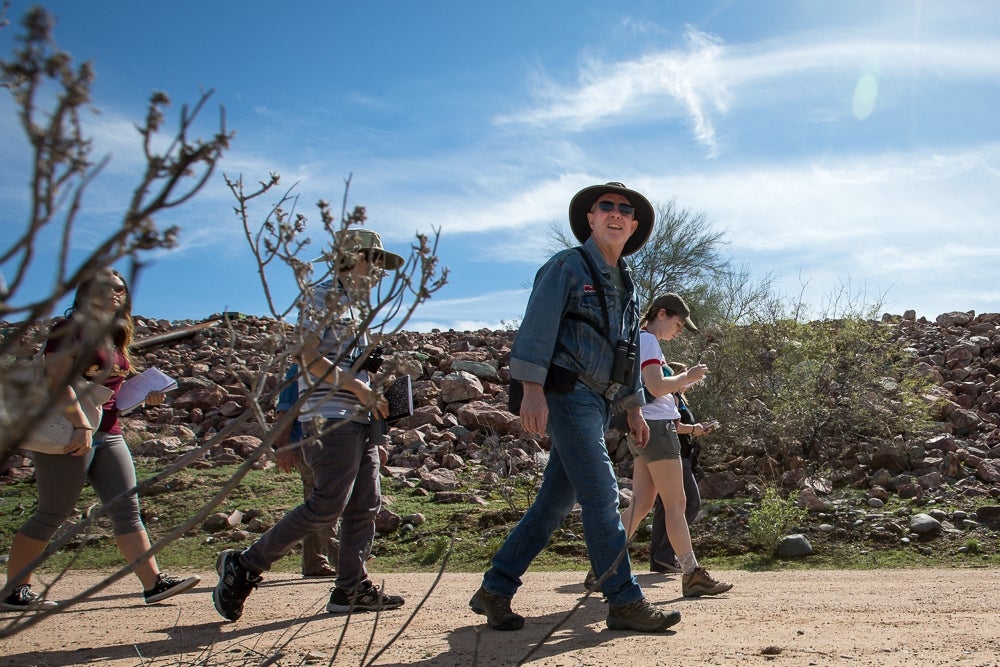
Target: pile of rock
{"type": "Point", "coordinates": [960, 353]}
{"type": "Point", "coordinates": [460, 395]}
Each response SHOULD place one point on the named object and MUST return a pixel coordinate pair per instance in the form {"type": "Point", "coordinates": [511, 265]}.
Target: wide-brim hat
{"type": "Point", "coordinates": [584, 200]}
{"type": "Point", "coordinates": [351, 241]}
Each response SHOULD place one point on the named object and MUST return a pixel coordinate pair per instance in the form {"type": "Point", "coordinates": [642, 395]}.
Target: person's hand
{"type": "Point", "coordinates": [638, 429]}
{"type": "Point", "coordinates": [534, 409]}
{"type": "Point", "coordinates": [285, 458]}
{"type": "Point", "coordinates": [696, 373]}
{"type": "Point", "coordinates": [154, 398]}
{"type": "Point", "coordinates": [369, 397]}
{"type": "Point", "coordinates": [700, 429]}
{"type": "Point", "coordinates": [380, 409]}
{"type": "Point", "coordinates": [80, 442]}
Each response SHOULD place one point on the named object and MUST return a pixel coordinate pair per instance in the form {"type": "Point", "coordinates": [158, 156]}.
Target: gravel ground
{"type": "Point", "coordinates": [819, 617]}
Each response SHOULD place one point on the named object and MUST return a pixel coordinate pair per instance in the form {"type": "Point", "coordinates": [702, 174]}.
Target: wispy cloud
{"type": "Point", "coordinates": [493, 310]}
{"type": "Point", "coordinates": [705, 79]}
{"type": "Point", "coordinates": [848, 199]}
{"type": "Point", "coordinates": [675, 83]}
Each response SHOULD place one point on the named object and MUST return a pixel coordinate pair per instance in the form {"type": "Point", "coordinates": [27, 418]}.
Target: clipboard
{"type": "Point", "coordinates": [400, 398]}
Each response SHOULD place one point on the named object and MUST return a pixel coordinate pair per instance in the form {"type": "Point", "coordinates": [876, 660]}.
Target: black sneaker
{"type": "Point", "coordinates": [367, 598]}
{"type": "Point", "coordinates": [496, 609]}
{"type": "Point", "coordinates": [235, 584]}
{"type": "Point", "coordinates": [22, 598]}
{"type": "Point", "coordinates": [167, 586]}
{"type": "Point", "coordinates": [665, 568]}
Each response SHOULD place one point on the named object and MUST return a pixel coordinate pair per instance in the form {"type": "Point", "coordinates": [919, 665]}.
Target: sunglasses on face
{"type": "Point", "coordinates": [117, 289]}
{"type": "Point", "coordinates": [372, 257]}
{"type": "Point", "coordinates": [608, 206]}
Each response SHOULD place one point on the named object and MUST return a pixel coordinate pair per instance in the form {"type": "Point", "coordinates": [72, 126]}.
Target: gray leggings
{"type": "Point", "coordinates": [60, 480]}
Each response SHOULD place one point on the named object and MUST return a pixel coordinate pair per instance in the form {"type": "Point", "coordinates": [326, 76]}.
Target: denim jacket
{"type": "Point", "coordinates": [555, 328]}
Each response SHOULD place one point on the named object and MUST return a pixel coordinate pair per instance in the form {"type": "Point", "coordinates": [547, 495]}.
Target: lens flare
{"type": "Point", "coordinates": [865, 94]}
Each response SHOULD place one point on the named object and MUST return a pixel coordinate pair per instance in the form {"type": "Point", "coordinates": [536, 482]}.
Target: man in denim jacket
{"type": "Point", "coordinates": [564, 355]}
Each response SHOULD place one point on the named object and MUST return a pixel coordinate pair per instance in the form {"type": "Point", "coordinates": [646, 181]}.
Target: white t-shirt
{"type": "Point", "coordinates": [650, 353]}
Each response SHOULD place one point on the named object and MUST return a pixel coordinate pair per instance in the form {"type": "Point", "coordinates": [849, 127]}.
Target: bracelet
{"type": "Point", "coordinates": [82, 428]}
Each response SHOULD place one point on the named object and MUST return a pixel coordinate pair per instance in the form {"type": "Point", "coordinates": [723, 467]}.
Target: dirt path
{"type": "Point", "coordinates": [898, 617]}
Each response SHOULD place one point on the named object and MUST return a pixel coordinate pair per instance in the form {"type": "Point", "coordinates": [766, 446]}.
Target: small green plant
{"type": "Point", "coordinates": [972, 546]}
{"type": "Point", "coordinates": [772, 520]}
{"type": "Point", "coordinates": [432, 551]}
{"type": "Point", "coordinates": [514, 482]}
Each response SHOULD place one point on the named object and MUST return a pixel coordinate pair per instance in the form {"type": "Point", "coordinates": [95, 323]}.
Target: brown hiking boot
{"type": "Point", "coordinates": [700, 582]}
{"type": "Point", "coordinates": [590, 581]}
{"type": "Point", "coordinates": [496, 609]}
{"type": "Point", "coordinates": [641, 617]}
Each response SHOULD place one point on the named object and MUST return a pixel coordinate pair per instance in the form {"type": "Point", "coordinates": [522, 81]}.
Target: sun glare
{"type": "Point", "coordinates": [865, 94]}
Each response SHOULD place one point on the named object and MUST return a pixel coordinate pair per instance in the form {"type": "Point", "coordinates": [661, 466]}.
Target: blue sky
{"type": "Point", "coordinates": [835, 143]}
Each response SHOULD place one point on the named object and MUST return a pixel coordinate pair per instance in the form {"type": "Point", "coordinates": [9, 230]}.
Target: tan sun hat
{"type": "Point", "coordinates": [350, 241]}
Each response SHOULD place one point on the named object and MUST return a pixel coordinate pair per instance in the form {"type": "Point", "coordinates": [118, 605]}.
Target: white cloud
{"type": "Point", "coordinates": [848, 200]}
{"type": "Point", "coordinates": [671, 84]}
{"type": "Point", "coordinates": [492, 310]}
{"type": "Point", "coordinates": [706, 78]}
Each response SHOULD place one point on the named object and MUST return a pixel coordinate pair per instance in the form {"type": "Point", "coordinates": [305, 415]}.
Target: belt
{"type": "Point", "coordinates": [605, 389]}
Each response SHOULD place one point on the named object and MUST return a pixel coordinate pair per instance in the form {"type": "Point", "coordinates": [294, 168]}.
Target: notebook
{"type": "Point", "coordinates": [400, 398]}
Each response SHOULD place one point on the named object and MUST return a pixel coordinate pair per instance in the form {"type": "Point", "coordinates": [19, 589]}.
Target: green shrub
{"type": "Point", "coordinates": [802, 389]}
{"type": "Point", "coordinates": [772, 520]}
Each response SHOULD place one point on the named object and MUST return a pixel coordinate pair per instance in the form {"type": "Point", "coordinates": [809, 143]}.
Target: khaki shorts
{"type": "Point", "coordinates": [663, 442]}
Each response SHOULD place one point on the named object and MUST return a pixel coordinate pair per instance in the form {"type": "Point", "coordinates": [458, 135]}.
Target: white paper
{"type": "Point", "coordinates": [135, 389]}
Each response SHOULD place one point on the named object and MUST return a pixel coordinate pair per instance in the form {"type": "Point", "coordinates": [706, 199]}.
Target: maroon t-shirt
{"type": "Point", "coordinates": [111, 372]}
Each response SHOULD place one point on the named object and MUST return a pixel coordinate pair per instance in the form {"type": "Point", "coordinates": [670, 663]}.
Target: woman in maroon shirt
{"type": "Point", "coordinates": [93, 342]}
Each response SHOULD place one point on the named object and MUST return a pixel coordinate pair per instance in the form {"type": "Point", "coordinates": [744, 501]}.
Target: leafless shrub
{"type": "Point", "coordinates": [61, 169]}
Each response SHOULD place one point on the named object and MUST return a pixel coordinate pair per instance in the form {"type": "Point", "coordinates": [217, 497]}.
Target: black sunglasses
{"type": "Point", "coordinates": [608, 206]}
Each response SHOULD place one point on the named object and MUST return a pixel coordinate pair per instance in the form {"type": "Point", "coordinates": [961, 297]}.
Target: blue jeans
{"type": "Point", "coordinates": [579, 470]}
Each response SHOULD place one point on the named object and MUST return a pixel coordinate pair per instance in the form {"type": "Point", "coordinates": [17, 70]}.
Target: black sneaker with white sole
{"type": "Point", "coordinates": [22, 598]}
{"type": "Point", "coordinates": [235, 584]}
{"type": "Point", "coordinates": [367, 598]}
{"type": "Point", "coordinates": [167, 586]}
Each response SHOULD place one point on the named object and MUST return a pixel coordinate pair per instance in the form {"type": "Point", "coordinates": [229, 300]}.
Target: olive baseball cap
{"type": "Point", "coordinates": [675, 304]}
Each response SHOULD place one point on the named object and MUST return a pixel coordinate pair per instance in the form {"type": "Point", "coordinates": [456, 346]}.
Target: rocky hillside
{"type": "Point", "coordinates": [460, 419]}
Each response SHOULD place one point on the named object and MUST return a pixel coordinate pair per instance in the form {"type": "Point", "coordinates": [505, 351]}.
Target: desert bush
{"type": "Point", "coordinates": [49, 97]}
{"type": "Point", "coordinates": [796, 387]}
{"type": "Point", "coordinates": [773, 518]}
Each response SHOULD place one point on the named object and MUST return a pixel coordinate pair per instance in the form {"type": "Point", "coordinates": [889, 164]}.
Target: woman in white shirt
{"type": "Point", "coordinates": [658, 468]}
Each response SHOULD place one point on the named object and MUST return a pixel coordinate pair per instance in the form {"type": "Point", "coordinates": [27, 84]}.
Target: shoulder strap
{"type": "Point", "coordinates": [599, 286]}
